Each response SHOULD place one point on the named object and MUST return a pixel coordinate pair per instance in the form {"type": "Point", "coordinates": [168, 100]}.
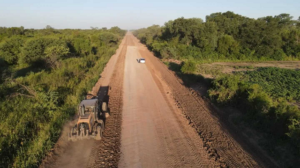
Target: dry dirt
{"type": "Point", "coordinates": [215, 69]}
{"type": "Point", "coordinates": [279, 64]}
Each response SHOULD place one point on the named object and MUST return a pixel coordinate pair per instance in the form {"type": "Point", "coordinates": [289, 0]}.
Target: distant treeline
{"type": "Point", "coordinates": [225, 36]}
{"type": "Point", "coordinates": [44, 74]}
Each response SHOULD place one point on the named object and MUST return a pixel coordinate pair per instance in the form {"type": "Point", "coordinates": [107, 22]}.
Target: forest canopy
{"type": "Point", "coordinates": [225, 36]}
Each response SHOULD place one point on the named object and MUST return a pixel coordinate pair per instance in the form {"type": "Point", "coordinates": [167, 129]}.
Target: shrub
{"type": "Point", "coordinates": [294, 130]}
{"type": "Point", "coordinates": [34, 49]}
{"type": "Point", "coordinates": [225, 88]}
{"type": "Point", "coordinates": [54, 53]}
{"type": "Point", "coordinates": [10, 49]}
{"type": "Point", "coordinates": [188, 67]}
{"type": "Point", "coordinates": [82, 46]}
{"type": "Point", "coordinates": [259, 100]}
{"type": "Point", "coordinates": [278, 55]}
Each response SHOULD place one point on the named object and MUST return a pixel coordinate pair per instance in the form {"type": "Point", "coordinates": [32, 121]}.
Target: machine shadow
{"type": "Point", "coordinates": [103, 96]}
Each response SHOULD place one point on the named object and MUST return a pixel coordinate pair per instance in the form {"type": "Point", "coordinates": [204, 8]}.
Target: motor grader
{"type": "Point", "coordinates": [91, 115]}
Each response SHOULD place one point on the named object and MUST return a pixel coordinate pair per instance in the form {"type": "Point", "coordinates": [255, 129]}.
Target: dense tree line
{"type": "Point", "coordinates": [44, 74]}
{"type": "Point", "coordinates": [225, 36]}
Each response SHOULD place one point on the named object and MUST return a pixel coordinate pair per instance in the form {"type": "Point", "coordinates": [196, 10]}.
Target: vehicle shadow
{"type": "Point", "coordinates": [103, 96]}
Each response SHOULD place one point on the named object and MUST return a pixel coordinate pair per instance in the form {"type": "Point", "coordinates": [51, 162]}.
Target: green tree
{"type": "Point", "coordinates": [117, 30]}
{"type": "Point", "coordinates": [228, 46]}
{"type": "Point", "coordinates": [285, 19]}
{"type": "Point", "coordinates": [48, 27]}
{"type": "Point", "coordinates": [11, 49]}
{"type": "Point", "coordinates": [106, 38]}
{"type": "Point", "coordinates": [34, 49]}
{"type": "Point", "coordinates": [82, 46]}
{"type": "Point", "coordinates": [184, 28]}
{"type": "Point", "coordinates": [55, 53]}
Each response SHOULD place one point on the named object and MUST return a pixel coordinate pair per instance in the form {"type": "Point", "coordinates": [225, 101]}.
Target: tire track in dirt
{"type": "Point", "coordinates": [106, 153]}
{"type": "Point", "coordinates": [217, 141]}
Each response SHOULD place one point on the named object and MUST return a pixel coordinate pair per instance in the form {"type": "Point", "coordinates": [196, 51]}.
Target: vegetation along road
{"type": "Point", "coordinates": [220, 93]}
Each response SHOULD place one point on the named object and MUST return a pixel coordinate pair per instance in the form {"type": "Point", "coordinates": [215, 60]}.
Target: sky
{"type": "Point", "coordinates": [129, 14]}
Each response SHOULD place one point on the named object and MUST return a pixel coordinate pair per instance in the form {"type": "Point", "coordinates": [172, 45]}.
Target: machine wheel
{"type": "Point", "coordinates": [104, 106]}
{"type": "Point", "coordinates": [107, 114]}
{"type": "Point", "coordinates": [101, 124]}
{"type": "Point", "coordinates": [99, 133]}
{"type": "Point", "coordinates": [87, 134]}
{"type": "Point", "coordinates": [71, 136]}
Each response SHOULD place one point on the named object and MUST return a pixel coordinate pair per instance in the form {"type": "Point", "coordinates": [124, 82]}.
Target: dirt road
{"type": "Point", "coordinates": [155, 122]}
{"type": "Point", "coordinates": [152, 135]}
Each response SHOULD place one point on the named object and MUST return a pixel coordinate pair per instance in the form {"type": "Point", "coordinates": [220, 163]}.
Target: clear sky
{"type": "Point", "coordinates": [129, 14]}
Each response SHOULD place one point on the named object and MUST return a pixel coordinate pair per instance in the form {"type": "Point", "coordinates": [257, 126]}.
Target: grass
{"type": "Point", "coordinates": [213, 71]}
{"type": "Point", "coordinates": [244, 67]}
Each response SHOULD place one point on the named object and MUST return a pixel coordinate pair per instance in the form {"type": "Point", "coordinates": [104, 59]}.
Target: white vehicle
{"type": "Point", "coordinates": [141, 60]}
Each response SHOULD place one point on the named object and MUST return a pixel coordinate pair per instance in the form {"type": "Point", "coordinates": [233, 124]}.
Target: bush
{"type": "Point", "coordinates": [294, 130]}
{"type": "Point", "coordinates": [225, 88]}
{"type": "Point", "coordinates": [34, 49]}
{"type": "Point", "coordinates": [279, 55]}
{"type": "Point", "coordinates": [55, 53]}
{"type": "Point", "coordinates": [10, 49]}
{"type": "Point", "coordinates": [82, 46]}
{"type": "Point", "coordinates": [260, 102]}
{"type": "Point", "coordinates": [188, 67]}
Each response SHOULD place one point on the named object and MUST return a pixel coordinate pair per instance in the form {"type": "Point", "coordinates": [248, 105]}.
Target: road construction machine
{"type": "Point", "coordinates": [91, 116]}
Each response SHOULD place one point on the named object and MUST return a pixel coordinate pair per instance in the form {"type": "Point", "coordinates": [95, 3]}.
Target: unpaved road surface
{"type": "Point", "coordinates": [151, 134]}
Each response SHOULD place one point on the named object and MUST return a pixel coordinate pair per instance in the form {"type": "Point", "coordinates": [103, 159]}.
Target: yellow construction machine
{"type": "Point", "coordinates": [91, 116]}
